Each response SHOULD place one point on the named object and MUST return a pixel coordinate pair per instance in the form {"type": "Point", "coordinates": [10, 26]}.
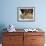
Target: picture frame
{"type": "Point", "coordinates": [26, 14]}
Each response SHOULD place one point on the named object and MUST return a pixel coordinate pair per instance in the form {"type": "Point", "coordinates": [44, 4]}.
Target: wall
{"type": "Point", "coordinates": [9, 13]}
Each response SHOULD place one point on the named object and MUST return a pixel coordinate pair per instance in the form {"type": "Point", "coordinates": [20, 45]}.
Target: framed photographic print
{"type": "Point", "coordinates": [26, 14]}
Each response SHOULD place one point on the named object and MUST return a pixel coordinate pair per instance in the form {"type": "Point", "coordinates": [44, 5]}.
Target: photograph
{"type": "Point", "coordinates": [25, 14]}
